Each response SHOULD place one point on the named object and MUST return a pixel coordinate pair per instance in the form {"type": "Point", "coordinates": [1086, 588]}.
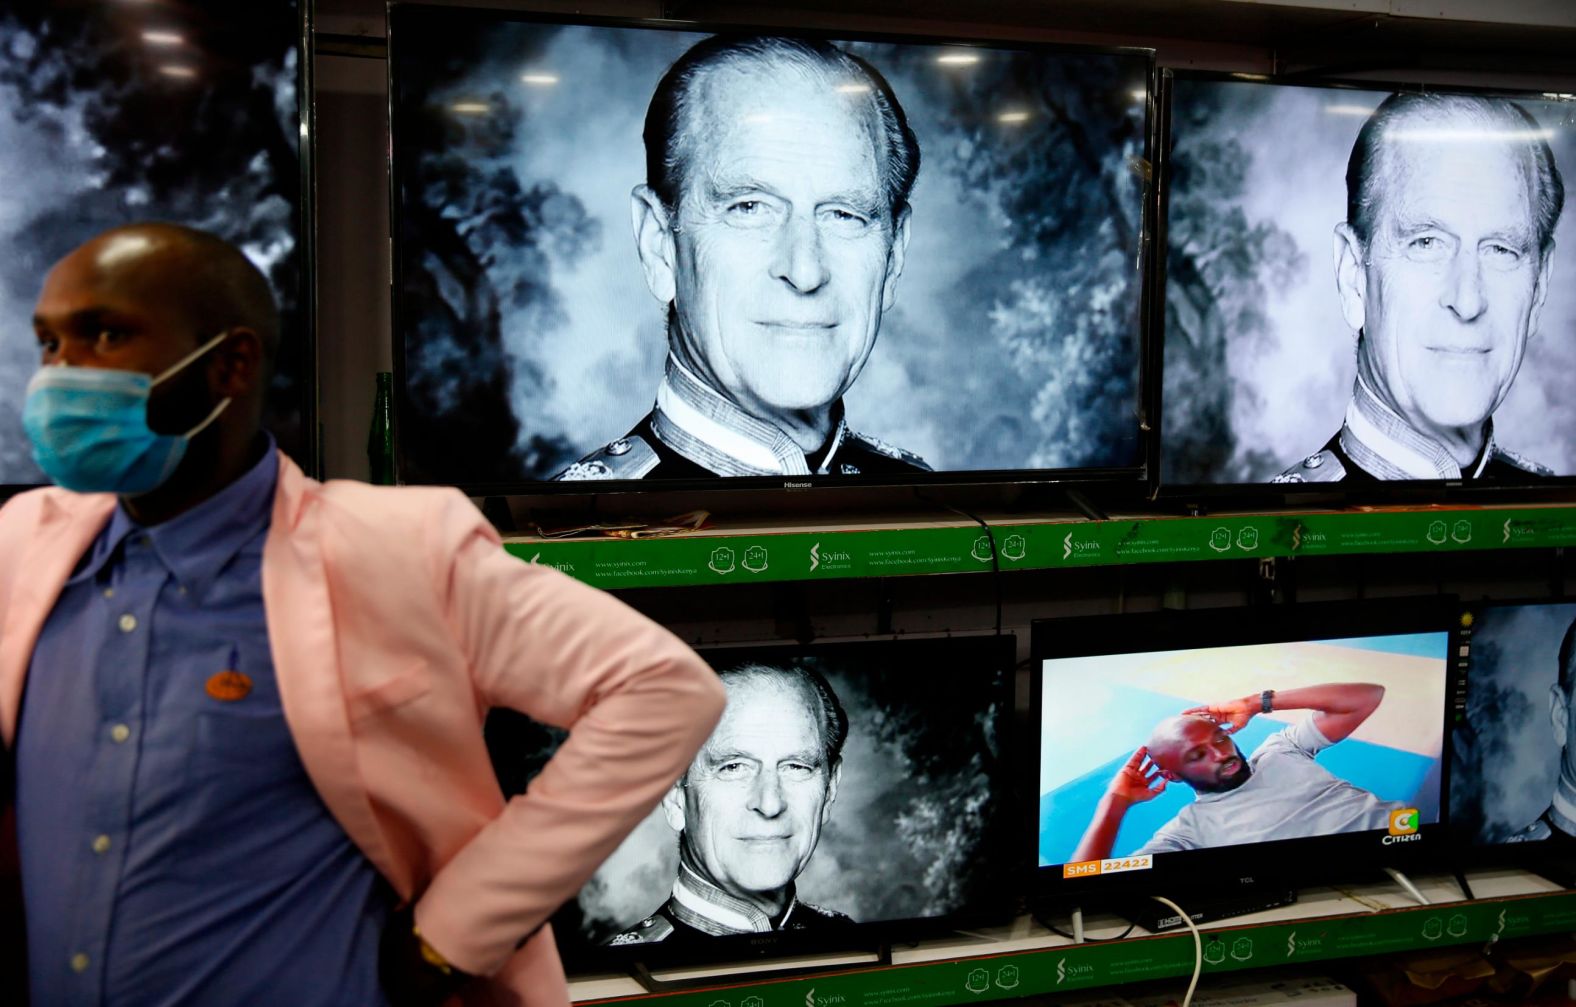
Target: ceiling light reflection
{"type": "Point", "coordinates": [1013, 117]}
{"type": "Point", "coordinates": [154, 37]}
{"type": "Point", "coordinates": [958, 58]}
{"type": "Point", "coordinates": [1448, 135]}
{"type": "Point", "coordinates": [539, 79]}
{"type": "Point", "coordinates": [470, 108]}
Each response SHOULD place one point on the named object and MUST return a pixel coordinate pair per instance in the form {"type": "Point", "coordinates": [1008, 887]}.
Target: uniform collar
{"type": "Point", "coordinates": [711, 431]}
{"type": "Point", "coordinates": [1562, 810]}
{"type": "Point", "coordinates": [1386, 446]}
{"type": "Point", "coordinates": [197, 545]}
{"type": "Point", "coordinates": [702, 905]}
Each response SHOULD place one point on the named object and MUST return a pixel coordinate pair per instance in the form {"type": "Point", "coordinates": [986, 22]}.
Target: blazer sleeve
{"type": "Point", "coordinates": [637, 701]}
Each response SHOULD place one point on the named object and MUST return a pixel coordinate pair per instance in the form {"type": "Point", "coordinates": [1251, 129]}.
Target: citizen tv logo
{"type": "Point", "coordinates": [1403, 827]}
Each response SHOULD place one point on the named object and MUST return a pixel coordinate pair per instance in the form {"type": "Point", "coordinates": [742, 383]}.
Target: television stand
{"type": "Point", "coordinates": [747, 971]}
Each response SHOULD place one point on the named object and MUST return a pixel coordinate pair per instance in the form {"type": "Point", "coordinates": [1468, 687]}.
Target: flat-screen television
{"type": "Point", "coordinates": [1512, 741]}
{"type": "Point", "coordinates": [1200, 750]}
{"type": "Point", "coordinates": [640, 254]}
{"type": "Point", "coordinates": [853, 793]}
{"type": "Point", "coordinates": [1365, 284]}
{"type": "Point", "coordinates": [190, 112]}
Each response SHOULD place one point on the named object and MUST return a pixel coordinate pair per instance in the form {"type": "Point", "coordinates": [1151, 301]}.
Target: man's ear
{"type": "Point", "coordinates": [831, 791]}
{"type": "Point", "coordinates": [653, 241]}
{"type": "Point", "coordinates": [1351, 275]}
{"type": "Point", "coordinates": [896, 256]}
{"type": "Point", "coordinates": [237, 366]}
{"type": "Point", "coordinates": [1558, 713]}
{"type": "Point", "coordinates": [1541, 290]}
{"type": "Point", "coordinates": [673, 806]}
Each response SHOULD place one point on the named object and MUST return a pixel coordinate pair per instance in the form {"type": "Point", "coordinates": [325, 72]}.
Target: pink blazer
{"type": "Point", "coordinates": [396, 620]}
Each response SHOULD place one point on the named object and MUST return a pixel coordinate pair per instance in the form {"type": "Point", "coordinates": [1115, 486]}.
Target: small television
{"type": "Point", "coordinates": [1512, 743]}
{"type": "Point", "coordinates": [853, 794]}
{"type": "Point", "coordinates": [1203, 751]}
{"type": "Point", "coordinates": [767, 295]}
{"type": "Point", "coordinates": [187, 112]}
{"type": "Point", "coordinates": [1364, 284]}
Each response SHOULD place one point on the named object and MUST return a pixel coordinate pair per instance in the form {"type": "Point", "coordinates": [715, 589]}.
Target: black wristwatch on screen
{"type": "Point", "coordinates": [1266, 700]}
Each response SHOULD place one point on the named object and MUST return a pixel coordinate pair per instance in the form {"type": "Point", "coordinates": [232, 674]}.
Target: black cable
{"type": "Point", "coordinates": [1058, 931]}
{"type": "Point", "coordinates": [990, 536]}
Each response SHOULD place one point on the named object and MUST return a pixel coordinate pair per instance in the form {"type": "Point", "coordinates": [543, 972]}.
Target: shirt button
{"type": "Point", "coordinates": [119, 733]}
{"type": "Point", "coordinates": [100, 844]}
{"type": "Point", "coordinates": [128, 622]}
{"type": "Point", "coordinates": [79, 962]}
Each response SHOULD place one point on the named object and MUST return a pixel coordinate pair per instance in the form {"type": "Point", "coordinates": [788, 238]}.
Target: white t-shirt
{"type": "Point", "coordinates": [1289, 796]}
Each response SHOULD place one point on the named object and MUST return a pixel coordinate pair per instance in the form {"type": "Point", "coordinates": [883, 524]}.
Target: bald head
{"type": "Point", "coordinates": [209, 282]}
{"type": "Point", "coordinates": [1197, 751]}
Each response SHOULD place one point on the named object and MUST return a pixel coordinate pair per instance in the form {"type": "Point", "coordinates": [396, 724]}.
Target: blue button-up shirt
{"type": "Point", "coordinates": [173, 848]}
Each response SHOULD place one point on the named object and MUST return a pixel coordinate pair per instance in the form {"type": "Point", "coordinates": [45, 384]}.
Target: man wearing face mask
{"type": "Point", "coordinates": [246, 730]}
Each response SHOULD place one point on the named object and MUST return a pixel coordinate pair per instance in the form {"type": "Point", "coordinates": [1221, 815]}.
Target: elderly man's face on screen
{"type": "Point", "coordinates": [1454, 275]}
{"type": "Point", "coordinates": [753, 802]}
{"type": "Point", "coordinates": [784, 251]}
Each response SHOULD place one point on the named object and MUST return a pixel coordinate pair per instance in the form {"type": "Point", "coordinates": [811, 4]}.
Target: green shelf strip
{"type": "Point", "coordinates": [1071, 967]}
{"type": "Point", "coordinates": [720, 558]}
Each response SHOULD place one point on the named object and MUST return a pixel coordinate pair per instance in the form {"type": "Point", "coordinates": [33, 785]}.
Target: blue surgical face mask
{"type": "Point", "coordinates": [89, 427]}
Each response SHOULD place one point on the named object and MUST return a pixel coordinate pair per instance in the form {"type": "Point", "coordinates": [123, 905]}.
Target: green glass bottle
{"type": "Point", "coordinates": [380, 441]}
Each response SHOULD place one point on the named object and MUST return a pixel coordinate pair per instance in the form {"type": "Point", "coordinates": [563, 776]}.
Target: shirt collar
{"type": "Point", "coordinates": [711, 431]}
{"type": "Point", "coordinates": [1385, 445]}
{"type": "Point", "coordinates": [197, 545]}
{"type": "Point", "coordinates": [702, 905]}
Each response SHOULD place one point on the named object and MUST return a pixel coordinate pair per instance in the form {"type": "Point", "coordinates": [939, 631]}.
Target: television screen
{"type": "Point", "coordinates": [1179, 744]}
{"type": "Point", "coordinates": [849, 790]}
{"type": "Point", "coordinates": [629, 254]}
{"type": "Point", "coordinates": [1513, 763]}
{"type": "Point", "coordinates": [116, 113]}
{"type": "Point", "coordinates": [1365, 284]}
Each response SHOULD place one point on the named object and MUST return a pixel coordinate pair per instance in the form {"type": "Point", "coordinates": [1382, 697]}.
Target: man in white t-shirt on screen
{"type": "Point", "coordinates": [1279, 792]}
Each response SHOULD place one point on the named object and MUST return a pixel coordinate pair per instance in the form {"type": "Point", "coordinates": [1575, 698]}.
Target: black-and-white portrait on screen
{"type": "Point", "coordinates": [640, 254]}
{"type": "Point", "coordinates": [854, 784]}
{"type": "Point", "coordinates": [1367, 286]}
{"type": "Point", "coordinates": [117, 113]}
{"type": "Point", "coordinates": [1513, 757]}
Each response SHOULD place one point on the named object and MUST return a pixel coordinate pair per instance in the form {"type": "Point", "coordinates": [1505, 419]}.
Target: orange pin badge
{"type": "Point", "coordinates": [230, 685]}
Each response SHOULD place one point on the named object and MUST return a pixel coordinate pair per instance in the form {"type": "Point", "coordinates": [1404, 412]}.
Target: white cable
{"type": "Point", "coordinates": [1198, 947]}
{"type": "Point", "coordinates": [1078, 934]}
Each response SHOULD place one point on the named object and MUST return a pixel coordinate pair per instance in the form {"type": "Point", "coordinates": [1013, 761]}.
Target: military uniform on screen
{"type": "Point", "coordinates": [1375, 444]}
{"type": "Point", "coordinates": [1559, 819]}
{"type": "Point", "coordinates": [698, 911]}
{"type": "Point", "coordinates": [694, 433]}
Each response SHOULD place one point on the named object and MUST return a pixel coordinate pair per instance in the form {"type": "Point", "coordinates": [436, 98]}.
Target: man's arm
{"type": "Point", "coordinates": [1342, 707]}
{"type": "Point", "coordinates": [638, 702]}
{"type": "Point", "coordinates": [1137, 781]}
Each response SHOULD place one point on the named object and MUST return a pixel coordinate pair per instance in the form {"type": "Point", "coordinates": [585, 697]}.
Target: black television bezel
{"type": "Point", "coordinates": [1222, 871]}
{"type": "Point", "coordinates": [1211, 495]}
{"type": "Point", "coordinates": [1468, 851]}
{"type": "Point", "coordinates": [583, 961]}
{"type": "Point", "coordinates": [310, 458]}
{"type": "Point", "coordinates": [1136, 474]}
